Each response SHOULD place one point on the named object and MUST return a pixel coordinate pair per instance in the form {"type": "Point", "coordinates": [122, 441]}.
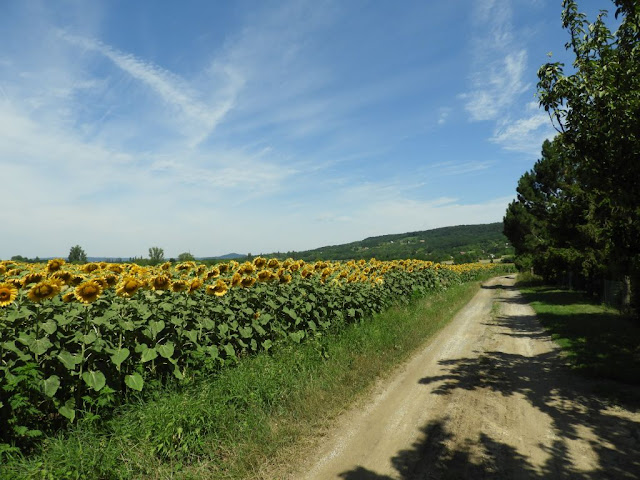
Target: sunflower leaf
{"type": "Point", "coordinates": [51, 385]}
{"type": "Point", "coordinates": [135, 381]}
{"type": "Point", "coordinates": [120, 356]}
{"type": "Point", "coordinates": [149, 354]}
{"type": "Point", "coordinates": [165, 350]}
{"type": "Point", "coordinates": [94, 379]}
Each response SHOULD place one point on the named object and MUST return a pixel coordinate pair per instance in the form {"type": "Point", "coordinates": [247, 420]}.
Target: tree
{"type": "Point", "coordinates": [156, 255]}
{"type": "Point", "coordinates": [77, 254]}
{"type": "Point", "coordinates": [186, 257]}
{"type": "Point", "coordinates": [597, 109]}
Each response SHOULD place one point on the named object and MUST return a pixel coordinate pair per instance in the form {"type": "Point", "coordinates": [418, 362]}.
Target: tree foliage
{"type": "Point", "coordinates": [77, 254]}
{"type": "Point", "coordinates": [156, 255]}
{"type": "Point", "coordinates": [186, 257]}
{"type": "Point", "coordinates": [578, 210]}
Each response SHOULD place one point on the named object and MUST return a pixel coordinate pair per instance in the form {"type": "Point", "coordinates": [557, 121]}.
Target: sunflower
{"type": "Point", "coordinates": [31, 278]}
{"type": "Point", "coordinates": [265, 276]}
{"type": "Point", "coordinates": [111, 279]}
{"type": "Point", "coordinates": [219, 289]}
{"type": "Point", "coordinates": [195, 284]}
{"type": "Point", "coordinates": [236, 279]}
{"type": "Point", "coordinates": [43, 291]}
{"type": "Point", "coordinates": [90, 267]}
{"type": "Point", "coordinates": [248, 281]}
{"type": "Point", "coordinates": [8, 294]}
{"type": "Point", "coordinates": [273, 263]}
{"type": "Point", "coordinates": [64, 277]}
{"type": "Point", "coordinates": [165, 266]}
{"type": "Point", "coordinates": [160, 282]}
{"type": "Point", "coordinates": [128, 286]}
{"type": "Point", "coordinates": [201, 269]}
{"type": "Point", "coordinates": [223, 268]}
{"type": "Point", "coordinates": [3, 269]}
{"type": "Point", "coordinates": [69, 297]}
{"type": "Point", "coordinates": [306, 273]}
{"type": "Point", "coordinates": [179, 286]}
{"type": "Point", "coordinates": [88, 291]}
{"type": "Point", "coordinates": [284, 278]}
{"type": "Point", "coordinates": [55, 265]}
{"type": "Point", "coordinates": [259, 262]}
{"type": "Point", "coordinates": [213, 273]}
{"type": "Point", "coordinates": [115, 268]}
{"type": "Point", "coordinates": [246, 268]}
{"type": "Point", "coordinates": [184, 266]}
{"type": "Point", "coordinates": [76, 280]}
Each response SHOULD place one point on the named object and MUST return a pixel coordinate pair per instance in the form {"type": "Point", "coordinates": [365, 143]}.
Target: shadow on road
{"type": "Point", "coordinates": [572, 403]}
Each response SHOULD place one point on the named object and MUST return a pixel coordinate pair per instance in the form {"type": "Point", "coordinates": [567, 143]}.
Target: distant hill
{"type": "Point", "coordinates": [228, 256]}
{"type": "Point", "coordinates": [461, 243]}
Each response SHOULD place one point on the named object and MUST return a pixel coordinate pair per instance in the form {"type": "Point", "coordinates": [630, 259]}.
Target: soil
{"type": "Point", "coordinates": [490, 396]}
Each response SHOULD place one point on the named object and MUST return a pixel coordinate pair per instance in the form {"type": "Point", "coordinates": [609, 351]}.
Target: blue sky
{"type": "Point", "coordinates": [259, 126]}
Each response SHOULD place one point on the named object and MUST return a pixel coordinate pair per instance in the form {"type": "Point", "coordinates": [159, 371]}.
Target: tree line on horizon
{"type": "Point", "coordinates": [576, 218]}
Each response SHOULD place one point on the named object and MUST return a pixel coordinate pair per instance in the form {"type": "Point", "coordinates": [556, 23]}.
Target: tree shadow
{"type": "Point", "coordinates": [573, 404]}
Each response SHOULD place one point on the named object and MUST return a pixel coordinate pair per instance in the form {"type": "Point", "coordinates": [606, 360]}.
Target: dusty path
{"type": "Point", "coordinates": [487, 398]}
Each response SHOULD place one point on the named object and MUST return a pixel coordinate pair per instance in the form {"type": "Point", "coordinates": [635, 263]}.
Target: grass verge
{"type": "Point", "coordinates": [250, 421]}
{"type": "Point", "coordinates": [597, 339]}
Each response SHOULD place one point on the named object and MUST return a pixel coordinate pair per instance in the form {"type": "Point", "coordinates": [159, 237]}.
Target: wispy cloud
{"type": "Point", "coordinates": [202, 117]}
{"type": "Point", "coordinates": [525, 134]}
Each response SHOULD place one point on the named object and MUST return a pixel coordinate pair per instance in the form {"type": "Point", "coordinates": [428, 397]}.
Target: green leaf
{"type": "Point", "coordinates": [40, 345]}
{"type": "Point", "coordinates": [267, 344]}
{"type": "Point", "coordinates": [177, 373]}
{"type": "Point", "coordinates": [68, 360]}
{"type": "Point", "coordinates": [51, 385]}
{"type": "Point", "coordinates": [228, 348]}
{"type": "Point", "coordinates": [120, 356]}
{"type": "Point", "coordinates": [149, 354]}
{"type": "Point", "coordinates": [246, 332]}
{"type": "Point", "coordinates": [165, 350]}
{"type": "Point", "coordinates": [68, 411]}
{"type": "Point", "coordinates": [94, 379]}
{"type": "Point", "coordinates": [49, 326]}
{"type": "Point", "coordinates": [89, 338]}
{"type": "Point", "coordinates": [155, 327]}
{"type": "Point", "coordinates": [135, 381]}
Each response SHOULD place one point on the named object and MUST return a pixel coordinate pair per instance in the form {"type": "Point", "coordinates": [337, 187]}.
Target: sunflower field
{"type": "Point", "coordinates": [78, 340]}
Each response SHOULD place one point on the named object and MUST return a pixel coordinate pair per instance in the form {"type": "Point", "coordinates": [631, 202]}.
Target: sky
{"type": "Point", "coordinates": [213, 127]}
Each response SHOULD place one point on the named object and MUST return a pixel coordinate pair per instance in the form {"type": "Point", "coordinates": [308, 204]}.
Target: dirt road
{"type": "Point", "coordinates": [489, 397]}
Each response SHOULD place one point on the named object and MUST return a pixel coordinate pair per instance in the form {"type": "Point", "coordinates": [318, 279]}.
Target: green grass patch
{"type": "Point", "coordinates": [250, 421]}
{"type": "Point", "coordinates": [597, 339]}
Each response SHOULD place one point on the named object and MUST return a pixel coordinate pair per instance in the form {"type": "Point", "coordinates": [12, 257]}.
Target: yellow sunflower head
{"type": "Point", "coordinates": [128, 286]}
{"type": "Point", "coordinates": [223, 267]}
{"type": "Point", "coordinates": [88, 292]}
{"type": "Point", "coordinates": [43, 291]}
{"type": "Point", "coordinates": [115, 268]}
{"type": "Point", "coordinates": [68, 297]}
{"type": "Point", "coordinates": [90, 267]}
{"type": "Point", "coordinates": [111, 279]}
{"type": "Point", "coordinates": [284, 278]}
{"type": "Point", "coordinates": [307, 272]}
{"type": "Point", "coordinates": [31, 278]}
{"type": "Point", "coordinates": [264, 275]}
{"type": "Point", "coordinates": [236, 279]}
{"type": "Point", "coordinates": [55, 265]}
{"type": "Point", "coordinates": [213, 273]}
{"type": "Point", "coordinates": [273, 263]}
{"type": "Point", "coordinates": [219, 289]}
{"type": "Point", "coordinates": [8, 294]}
{"type": "Point", "coordinates": [165, 266]}
{"type": "Point", "coordinates": [195, 284]}
{"type": "Point", "coordinates": [247, 282]}
{"type": "Point", "coordinates": [179, 286]}
{"type": "Point", "coordinates": [246, 269]}
{"type": "Point", "coordinates": [160, 282]}
{"type": "Point", "coordinates": [259, 262]}
{"type": "Point", "coordinates": [61, 275]}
